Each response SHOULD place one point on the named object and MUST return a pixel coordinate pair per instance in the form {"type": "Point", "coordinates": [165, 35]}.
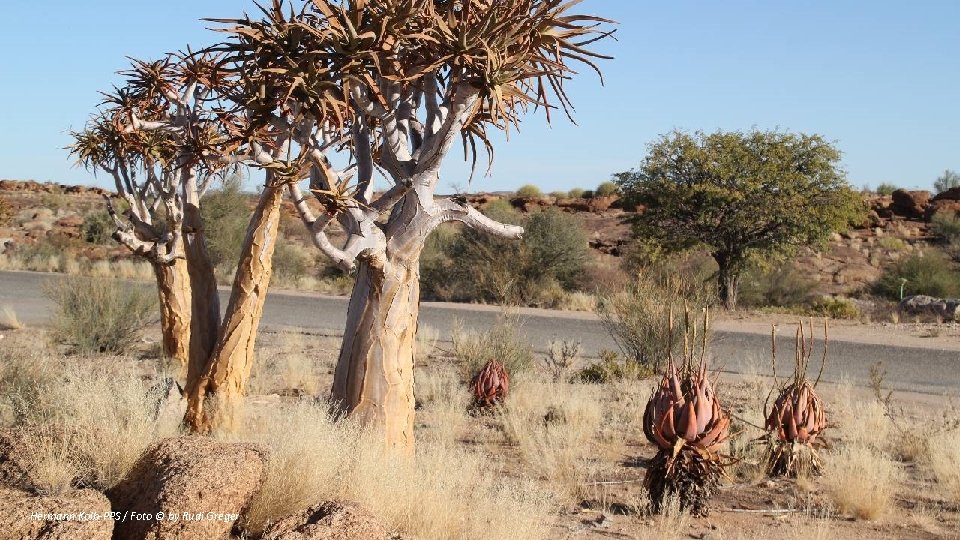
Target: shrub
{"type": "Point", "coordinates": [588, 194]}
{"type": "Point", "coordinates": [613, 367]}
{"type": "Point", "coordinates": [290, 263]}
{"type": "Point", "coordinates": [502, 342]}
{"type": "Point", "coordinates": [536, 270]}
{"type": "Point", "coordinates": [606, 189]}
{"type": "Point", "coordinates": [638, 319]}
{"type": "Point", "coordinates": [948, 229]}
{"type": "Point", "coordinates": [781, 286]}
{"type": "Point", "coordinates": [98, 315]}
{"type": "Point", "coordinates": [575, 193]}
{"type": "Point", "coordinates": [556, 246]}
{"type": "Point", "coordinates": [836, 308]}
{"type": "Point", "coordinates": [890, 243]}
{"type": "Point", "coordinates": [559, 194]}
{"type": "Point", "coordinates": [529, 191]}
{"type": "Point", "coordinates": [225, 219]}
{"type": "Point", "coordinates": [97, 228]}
{"type": "Point", "coordinates": [886, 189]}
{"type": "Point", "coordinates": [930, 272]}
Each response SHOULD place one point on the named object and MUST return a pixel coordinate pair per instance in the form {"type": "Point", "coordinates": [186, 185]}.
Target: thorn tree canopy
{"type": "Point", "coordinates": [741, 196]}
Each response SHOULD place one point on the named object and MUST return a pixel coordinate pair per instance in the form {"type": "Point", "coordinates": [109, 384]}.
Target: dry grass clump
{"type": "Point", "coordinates": [943, 461]}
{"type": "Point", "coordinates": [501, 342]}
{"type": "Point", "coordinates": [444, 401]}
{"type": "Point", "coordinates": [9, 319]}
{"type": "Point", "coordinates": [96, 315]}
{"type": "Point", "coordinates": [555, 428]}
{"type": "Point", "coordinates": [84, 427]}
{"type": "Point", "coordinates": [444, 492]}
{"type": "Point", "coordinates": [864, 420]}
{"type": "Point", "coordinates": [862, 481]}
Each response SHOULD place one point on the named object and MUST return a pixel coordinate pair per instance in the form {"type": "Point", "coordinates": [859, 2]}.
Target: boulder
{"type": "Point", "coordinates": [922, 304]}
{"type": "Point", "coordinates": [75, 515]}
{"type": "Point", "coordinates": [910, 204]}
{"type": "Point", "coordinates": [189, 488]}
{"type": "Point", "coordinates": [328, 521]}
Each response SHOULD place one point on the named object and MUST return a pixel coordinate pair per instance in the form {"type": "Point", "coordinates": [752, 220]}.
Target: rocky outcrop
{"type": "Point", "coordinates": [189, 488]}
{"type": "Point", "coordinates": [910, 204]}
{"type": "Point", "coordinates": [328, 521]}
{"type": "Point", "coordinates": [921, 304]}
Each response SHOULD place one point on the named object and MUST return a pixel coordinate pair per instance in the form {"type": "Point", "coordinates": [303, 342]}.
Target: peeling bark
{"type": "Point", "coordinates": [213, 398]}
{"type": "Point", "coordinates": [374, 374]}
{"type": "Point", "coordinates": [173, 288]}
{"type": "Point", "coordinates": [205, 301]}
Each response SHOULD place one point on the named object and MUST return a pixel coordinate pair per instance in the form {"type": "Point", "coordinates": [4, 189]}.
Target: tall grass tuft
{"type": "Point", "coordinates": [443, 492]}
{"type": "Point", "coordinates": [99, 315]}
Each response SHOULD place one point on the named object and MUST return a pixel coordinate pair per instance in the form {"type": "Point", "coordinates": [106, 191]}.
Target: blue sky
{"type": "Point", "coordinates": [879, 78]}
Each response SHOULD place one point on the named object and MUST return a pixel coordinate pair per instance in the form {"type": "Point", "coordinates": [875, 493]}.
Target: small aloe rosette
{"type": "Point", "coordinates": [490, 385]}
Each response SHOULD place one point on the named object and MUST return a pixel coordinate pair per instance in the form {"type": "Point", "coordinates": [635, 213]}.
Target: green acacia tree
{"type": "Point", "coordinates": [758, 195]}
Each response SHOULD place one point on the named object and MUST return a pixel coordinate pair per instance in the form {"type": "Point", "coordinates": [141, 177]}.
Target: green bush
{"type": "Point", "coordinates": [290, 263]}
{"type": "Point", "coordinates": [836, 308]}
{"type": "Point", "coordinates": [613, 367]}
{"type": "Point", "coordinates": [780, 286]}
{"type": "Point", "coordinates": [225, 219]}
{"type": "Point", "coordinates": [559, 194]}
{"type": "Point", "coordinates": [469, 265]}
{"type": "Point", "coordinates": [588, 194]}
{"type": "Point", "coordinates": [886, 189]}
{"type": "Point", "coordinates": [501, 342]}
{"type": "Point", "coordinates": [947, 228]}
{"type": "Point", "coordinates": [575, 193]}
{"type": "Point", "coordinates": [606, 189]}
{"type": "Point", "coordinates": [99, 315]}
{"type": "Point", "coordinates": [97, 228]}
{"type": "Point", "coordinates": [931, 272]}
{"type": "Point", "coordinates": [529, 191]}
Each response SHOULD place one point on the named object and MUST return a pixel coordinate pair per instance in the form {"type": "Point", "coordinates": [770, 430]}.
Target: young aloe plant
{"type": "Point", "coordinates": [686, 421]}
{"type": "Point", "coordinates": [490, 385]}
{"type": "Point", "coordinates": [797, 417]}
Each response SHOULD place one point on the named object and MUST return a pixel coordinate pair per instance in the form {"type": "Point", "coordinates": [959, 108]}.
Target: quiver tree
{"type": "Point", "coordinates": [685, 420]}
{"type": "Point", "coordinates": [177, 124]}
{"type": "Point", "coordinates": [797, 417]}
{"type": "Point", "coordinates": [409, 77]}
{"type": "Point", "coordinates": [154, 136]}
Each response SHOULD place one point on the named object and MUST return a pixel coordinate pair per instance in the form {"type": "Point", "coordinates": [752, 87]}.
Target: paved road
{"type": "Point", "coordinates": [924, 370]}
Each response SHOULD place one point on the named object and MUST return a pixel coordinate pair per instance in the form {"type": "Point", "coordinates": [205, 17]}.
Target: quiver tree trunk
{"type": "Point", "coordinates": [173, 288]}
{"type": "Point", "coordinates": [374, 374]}
{"type": "Point", "coordinates": [213, 398]}
{"type": "Point", "coordinates": [205, 300]}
